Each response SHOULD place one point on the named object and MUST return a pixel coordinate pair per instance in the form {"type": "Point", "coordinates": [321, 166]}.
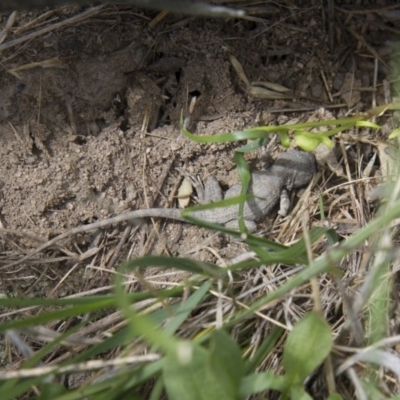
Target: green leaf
{"type": "Point", "coordinates": [226, 360]}
{"type": "Point", "coordinates": [327, 141]}
{"type": "Point", "coordinates": [253, 145]}
{"type": "Point", "coordinates": [51, 390]}
{"type": "Point", "coordinates": [394, 133]}
{"type": "Point", "coordinates": [332, 237]}
{"type": "Point", "coordinates": [189, 373]}
{"type": "Point", "coordinates": [305, 140]}
{"type": "Point", "coordinates": [298, 393]}
{"type": "Point", "coordinates": [374, 392]}
{"type": "Point", "coordinates": [285, 141]}
{"type": "Point", "coordinates": [377, 321]}
{"type": "Point", "coordinates": [245, 178]}
{"type": "Point", "coordinates": [257, 383]}
{"type": "Point", "coordinates": [306, 347]}
{"type": "Point", "coordinates": [247, 134]}
{"type": "Point", "coordinates": [15, 388]}
{"type": "Point", "coordinates": [367, 124]}
{"type": "Point", "coordinates": [186, 307]}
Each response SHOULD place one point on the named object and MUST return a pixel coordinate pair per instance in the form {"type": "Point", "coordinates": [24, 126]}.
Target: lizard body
{"type": "Point", "coordinates": [291, 170]}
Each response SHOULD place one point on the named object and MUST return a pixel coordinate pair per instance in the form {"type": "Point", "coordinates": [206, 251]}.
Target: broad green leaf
{"type": "Point", "coordinates": [394, 133]}
{"type": "Point", "coordinates": [332, 237]}
{"type": "Point", "coordinates": [285, 141]}
{"type": "Point", "coordinates": [367, 124]}
{"type": "Point", "coordinates": [306, 347]}
{"type": "Point", "coordinates": [298, 393]}
{"type": "Point", "coordinates": [51, 390]}
{"type": "Point", "coordinates": [327, 141]}
{"type": "Point", "coordinates": [257, 383]}
{"type": "Point", "coordinates": [15, 388]}
{"type": "Point", "coordinates": [374, 392]}
{"type": "Point", "coordinates": [306, 141]}
{"type": "Point", "coordinates": [188, 373]}
{"type": "Point", "coordinates": [226, 360]}
{"type": "Point", "coordinates": [377, 320]}
{"type": "Point", "coordinates": [157, 390]}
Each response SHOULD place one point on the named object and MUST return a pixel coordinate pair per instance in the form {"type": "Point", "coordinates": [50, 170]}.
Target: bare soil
{"type": "Point", "coordinates": [89, 120]}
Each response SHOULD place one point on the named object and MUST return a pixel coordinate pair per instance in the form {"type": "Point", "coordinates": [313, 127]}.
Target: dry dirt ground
{"type": "Point", "coordinates": [90, 109]}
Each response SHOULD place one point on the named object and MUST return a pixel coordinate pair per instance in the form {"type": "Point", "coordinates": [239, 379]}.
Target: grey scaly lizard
{"type": "Point", "coordinates": [291, 170]}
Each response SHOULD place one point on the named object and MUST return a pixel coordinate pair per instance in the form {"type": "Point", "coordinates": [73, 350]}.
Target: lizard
{"type": "Point", "coordinates": [291, 170]}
